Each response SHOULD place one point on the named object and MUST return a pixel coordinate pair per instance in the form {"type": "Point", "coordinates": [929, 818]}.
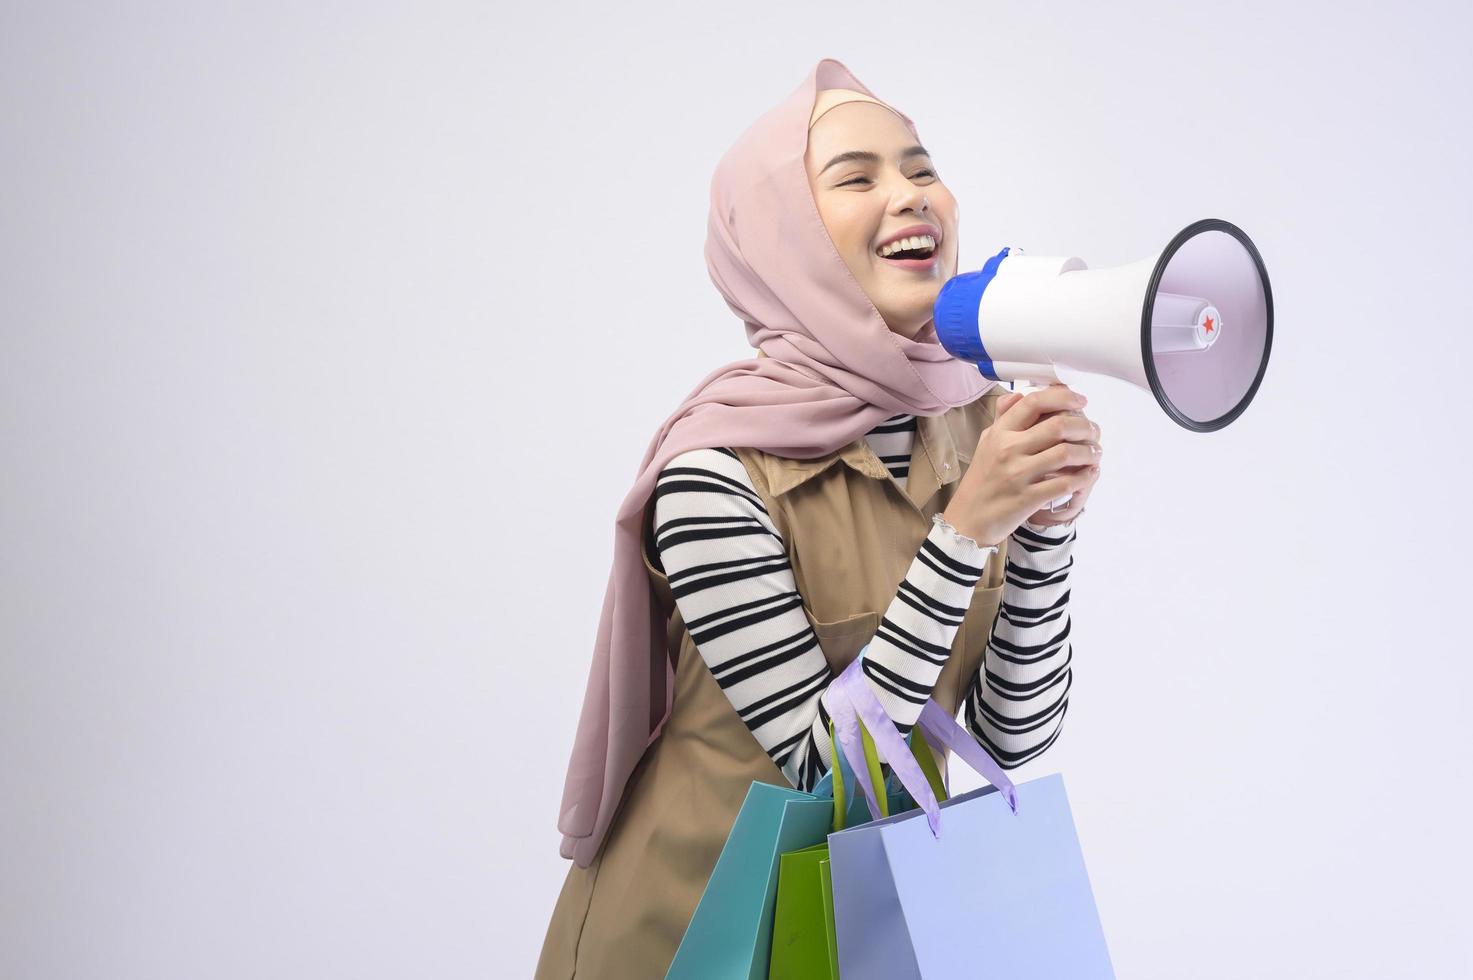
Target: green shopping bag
{"type": "Point", "coordinates": [804, 943]}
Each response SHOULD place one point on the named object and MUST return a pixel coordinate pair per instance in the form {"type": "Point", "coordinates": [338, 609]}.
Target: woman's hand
{"type": "Point", "coordinates": [1039, 447]}
{"type": "Point", "coordinates": [1046, 517]}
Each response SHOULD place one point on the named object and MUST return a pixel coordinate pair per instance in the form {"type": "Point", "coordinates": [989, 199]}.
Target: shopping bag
{"type": "Point", "coordinates": [803, 938]}
{"type": "Point", "coordinates": [991, 883]}
{"type": "Point", "coordinates": [800, 938]}
{"type": "Point", "coordinates": [729, 936]}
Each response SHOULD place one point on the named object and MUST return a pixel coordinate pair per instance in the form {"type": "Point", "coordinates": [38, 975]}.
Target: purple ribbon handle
{"type": "Point", "coordinates": [850, 700]}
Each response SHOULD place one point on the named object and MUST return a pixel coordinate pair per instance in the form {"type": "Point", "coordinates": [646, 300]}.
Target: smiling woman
{"type": "Point", "coordinates": [791, 512]}
{"type": "Point", "coordinates": [887, 212]}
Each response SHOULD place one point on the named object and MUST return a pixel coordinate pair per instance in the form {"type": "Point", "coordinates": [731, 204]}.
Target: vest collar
{"type": "Point", "coordinates": [934, 462]}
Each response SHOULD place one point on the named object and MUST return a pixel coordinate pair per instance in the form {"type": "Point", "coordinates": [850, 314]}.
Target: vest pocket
{"type": "Point", "coordinates": [842, 639]}
{"type": "Point", "coordinates": [968, 653]}
{"type": "Point", "coordinates": [993, 572]}
{"type": "Point", "coordinates": [981, 614]}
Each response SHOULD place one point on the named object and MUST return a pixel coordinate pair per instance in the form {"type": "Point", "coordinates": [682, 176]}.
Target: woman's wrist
{"type": "Point", "coordinates": [1046, 528]}
{"type": "Point", "coordinates": [960, 537]}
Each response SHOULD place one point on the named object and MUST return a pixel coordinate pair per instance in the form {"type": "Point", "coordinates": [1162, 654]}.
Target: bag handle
{"type": "Point", "coordinates": [871, 766]}
{"type": "Point", "coordinates": [919, 747]}
{"type": "Point", "coordinates": [857, 716]}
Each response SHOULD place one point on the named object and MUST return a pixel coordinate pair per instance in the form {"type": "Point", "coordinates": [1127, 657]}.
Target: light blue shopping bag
{"type": "Point", "coordinates": [988, 884]}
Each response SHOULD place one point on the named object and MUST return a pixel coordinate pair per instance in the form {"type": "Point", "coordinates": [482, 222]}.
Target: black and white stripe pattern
{"type": "Point", "coordinates": [1015, 705]}
{"type": "Point", "coordinates": [730, 577]}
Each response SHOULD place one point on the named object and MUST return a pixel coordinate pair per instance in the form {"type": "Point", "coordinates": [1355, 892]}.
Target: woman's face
{"type": "Point", "coordinates": [865, 200]}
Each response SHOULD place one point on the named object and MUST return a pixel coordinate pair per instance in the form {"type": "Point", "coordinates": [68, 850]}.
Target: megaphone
{"type": "Point", "coordinates": [1191, 324]}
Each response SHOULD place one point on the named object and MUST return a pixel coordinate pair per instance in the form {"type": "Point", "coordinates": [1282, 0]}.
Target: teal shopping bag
{"type": "Point", "coordinates": [730, 934]}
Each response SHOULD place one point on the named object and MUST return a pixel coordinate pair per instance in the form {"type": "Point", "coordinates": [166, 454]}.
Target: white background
{"type": "Point", "coordinates": [331, 334]}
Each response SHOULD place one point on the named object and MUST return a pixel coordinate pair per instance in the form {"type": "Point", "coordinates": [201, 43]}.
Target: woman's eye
{"type": "Point", "coordinates": [918, 173]}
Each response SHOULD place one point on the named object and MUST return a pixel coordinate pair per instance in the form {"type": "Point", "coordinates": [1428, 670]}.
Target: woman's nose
{"type": "Point", "coordinates": [912, 198]}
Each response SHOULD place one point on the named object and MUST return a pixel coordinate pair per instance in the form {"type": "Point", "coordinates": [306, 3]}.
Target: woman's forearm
{"type": "Point", "coordinates": [731, 579]}
{"type": "Point", "coordinates": [1015, 703]}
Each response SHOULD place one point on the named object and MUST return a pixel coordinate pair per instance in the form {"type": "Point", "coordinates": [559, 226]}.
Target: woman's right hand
{"type": "Point", "coordinates": [1033, 435]}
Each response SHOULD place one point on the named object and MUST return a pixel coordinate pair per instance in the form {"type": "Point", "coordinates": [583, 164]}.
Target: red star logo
{"type": "Point", "coordinates": [1209, 324]}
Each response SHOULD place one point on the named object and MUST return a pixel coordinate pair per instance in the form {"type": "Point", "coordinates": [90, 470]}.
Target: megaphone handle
{"type": "Point", "coordinates": [1058, 503]}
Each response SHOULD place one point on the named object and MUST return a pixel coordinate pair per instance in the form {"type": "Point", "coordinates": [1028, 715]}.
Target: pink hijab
{"type": "Point", "coordinates": [833, 370]}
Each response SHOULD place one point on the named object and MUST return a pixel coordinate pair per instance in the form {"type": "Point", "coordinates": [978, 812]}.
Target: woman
{"type": "Point", "coordinates": [779, 506]}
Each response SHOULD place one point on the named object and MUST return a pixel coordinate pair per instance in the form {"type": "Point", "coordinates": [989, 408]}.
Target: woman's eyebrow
{"type": "Point", "coordinates": [868, 157]}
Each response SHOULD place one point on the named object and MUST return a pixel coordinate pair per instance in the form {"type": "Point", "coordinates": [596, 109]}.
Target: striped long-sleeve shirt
{"type": "Point", "coordinates": [729, 574]}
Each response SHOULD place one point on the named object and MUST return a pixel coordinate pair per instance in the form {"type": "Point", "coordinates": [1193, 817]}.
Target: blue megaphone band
{"type": "Point", "coordinates": [956, 314]}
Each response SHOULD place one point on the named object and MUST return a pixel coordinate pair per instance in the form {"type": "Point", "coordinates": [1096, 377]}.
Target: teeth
{"type": "Point", "coordinates": [917, 241]}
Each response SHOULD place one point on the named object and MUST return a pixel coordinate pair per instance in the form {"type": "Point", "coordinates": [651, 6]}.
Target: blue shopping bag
{"type": "Point", "coordinates": [730, 933]}
{"type": "Point", "coordinates": [991, 883]}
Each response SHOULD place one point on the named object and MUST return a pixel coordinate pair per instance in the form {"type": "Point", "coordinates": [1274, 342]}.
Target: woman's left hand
{"type": "Point", "coordinates": [1049, 518]}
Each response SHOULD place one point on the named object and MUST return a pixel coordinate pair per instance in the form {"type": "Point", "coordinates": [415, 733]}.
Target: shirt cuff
{"type": "Point", "coordinates": [958, 545]}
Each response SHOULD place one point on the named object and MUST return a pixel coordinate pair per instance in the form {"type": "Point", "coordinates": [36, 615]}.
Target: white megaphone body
{"type": "Point", "coordinates": [1191, 324]}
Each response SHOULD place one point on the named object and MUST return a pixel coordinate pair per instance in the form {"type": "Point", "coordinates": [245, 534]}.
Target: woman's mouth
{"type": "Point", "coordinates": [917, 252]}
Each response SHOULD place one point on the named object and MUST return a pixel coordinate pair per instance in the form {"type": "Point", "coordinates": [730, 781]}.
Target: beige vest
{"type": "Point", "coordinates": [851, 534]}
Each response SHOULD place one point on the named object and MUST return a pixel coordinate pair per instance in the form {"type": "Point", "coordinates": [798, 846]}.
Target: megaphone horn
{"type": "Point", "coordinates": [1192, 324]}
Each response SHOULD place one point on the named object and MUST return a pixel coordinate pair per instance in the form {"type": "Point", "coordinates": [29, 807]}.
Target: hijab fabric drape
{"type": "Point", "coordinates": [832, 371]}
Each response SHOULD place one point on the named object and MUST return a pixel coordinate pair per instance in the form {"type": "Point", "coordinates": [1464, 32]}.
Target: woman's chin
{"type": "Point", "coordinates": [916, 325]}
{"type": "Point", "coordinates": [909, 306]}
